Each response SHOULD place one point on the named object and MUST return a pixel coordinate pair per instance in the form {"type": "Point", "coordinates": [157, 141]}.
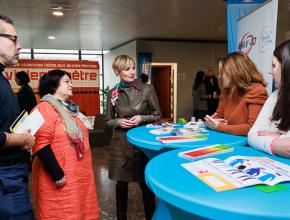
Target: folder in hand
{"type": "Point", "coordinates": [33, 121]}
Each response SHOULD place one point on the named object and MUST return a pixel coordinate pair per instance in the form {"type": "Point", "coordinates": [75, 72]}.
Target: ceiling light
{"type": "Point", "coordinates": [51, 37]}
{"type": "Point", "coordinates": [57, 13]}
{"type": "Point", "coordinates": [106, 51]}
{"type": "Point", "coordinates": [60, 7]}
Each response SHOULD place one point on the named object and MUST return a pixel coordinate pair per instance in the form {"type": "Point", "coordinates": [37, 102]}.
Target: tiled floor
{"type": "Point", "coordinates": [106, 189]}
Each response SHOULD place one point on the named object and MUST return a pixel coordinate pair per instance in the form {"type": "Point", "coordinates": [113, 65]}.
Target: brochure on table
{"type": "Point", "coordinates": [238, 171]}
{"type": "Point", "coordinates": [207, 151]}
{"type": "Point", "coordinates": [182, 138]}
{"type": "Point", "coordinates": [189, 129]}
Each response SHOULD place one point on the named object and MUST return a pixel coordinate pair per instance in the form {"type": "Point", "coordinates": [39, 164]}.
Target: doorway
{"type": "Point", "coordinates": [162, 78]}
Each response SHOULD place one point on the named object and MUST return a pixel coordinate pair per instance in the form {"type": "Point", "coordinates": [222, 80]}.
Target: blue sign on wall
{"type": "Point", "coordinates": [235, 10]}
{"type": "Point", "coordinates": [144, 64]}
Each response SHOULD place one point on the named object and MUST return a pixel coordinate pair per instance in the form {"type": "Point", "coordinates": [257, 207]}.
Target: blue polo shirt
{"type": "Point", "coordinates": [9, 110]}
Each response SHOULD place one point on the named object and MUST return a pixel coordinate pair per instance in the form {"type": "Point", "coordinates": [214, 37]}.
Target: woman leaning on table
{"type": "Point", "coordinates": [131, 103]}
{"type": "Point", "coordinates": [271, 131]}
{"type": "Point", "coordinates": [243, 95]}
{"type": "Point", "coordinates": [62, 176]}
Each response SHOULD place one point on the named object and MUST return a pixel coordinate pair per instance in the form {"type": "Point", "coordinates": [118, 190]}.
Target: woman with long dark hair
{"type": "Point", "coordinates": [271, 131]}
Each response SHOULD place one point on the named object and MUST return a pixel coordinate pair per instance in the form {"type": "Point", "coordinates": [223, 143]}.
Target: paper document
{"type": "Point", "coordinates": [33, 122]}
{"type": "Point", "coordinates": [239, 171]}
{"type": "Point", "coordinates": [19, 120]}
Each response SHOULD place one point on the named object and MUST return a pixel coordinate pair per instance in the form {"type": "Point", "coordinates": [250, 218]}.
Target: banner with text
{"type": "Point", "coordinates": [84, 74]}
{"type": "Point", "coordinates": [257, 36]}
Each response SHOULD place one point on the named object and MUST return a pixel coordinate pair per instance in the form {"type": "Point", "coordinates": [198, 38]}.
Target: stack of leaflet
{"type": "Point", "coordinates": [185, 133]}
{"type": "Point", "coordinates": [164, 128]}
{"type": "Point", "coordinates": [182, 138]}
{"type": "Point", "coordinates": [188, 131]}
{"type": "Point", "coordinates": [159, 131]}
{"type": "Point", "coordinates": [207, 151]}
{"type": "Point", "coordinates": [194, 125]}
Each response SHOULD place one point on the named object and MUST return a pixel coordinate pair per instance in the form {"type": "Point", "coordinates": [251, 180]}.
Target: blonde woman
{"type": "Point", "coordinates": [130, 103]}
{"type": "Point", "coordinates": [243, 95]}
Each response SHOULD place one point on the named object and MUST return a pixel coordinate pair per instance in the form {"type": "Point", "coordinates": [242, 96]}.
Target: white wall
{"type": "Point", "coordinates": [190, 57]}
{"type": "Point", "coordinates": [110, 79]}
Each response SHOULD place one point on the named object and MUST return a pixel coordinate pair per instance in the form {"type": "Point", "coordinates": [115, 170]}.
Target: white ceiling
{"type": "Point", "coordinates": [106, 24]}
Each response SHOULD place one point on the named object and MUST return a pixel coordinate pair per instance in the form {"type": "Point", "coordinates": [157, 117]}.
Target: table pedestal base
{"type": "Point", "coordinates": [165, 211]}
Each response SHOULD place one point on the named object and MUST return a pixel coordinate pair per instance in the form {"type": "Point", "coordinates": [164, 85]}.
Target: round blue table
{"type": "Point", "coordinates": [183, 196]}
{"type": "Point", "coordinates": [147, 142]}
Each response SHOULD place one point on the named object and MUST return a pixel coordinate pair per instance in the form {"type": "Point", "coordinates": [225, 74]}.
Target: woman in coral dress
{"type": "Point", "coordinates": [62, 174]}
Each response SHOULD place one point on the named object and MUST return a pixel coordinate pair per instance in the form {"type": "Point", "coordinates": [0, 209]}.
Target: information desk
{"type": "Point", "coordinates": [186, 197]}
{"type": "Point", "coordinates": [147, 142]}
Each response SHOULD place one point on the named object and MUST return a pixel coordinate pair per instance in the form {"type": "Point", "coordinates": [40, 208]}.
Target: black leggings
{"type": "Point", "coordinates": [122, 200]}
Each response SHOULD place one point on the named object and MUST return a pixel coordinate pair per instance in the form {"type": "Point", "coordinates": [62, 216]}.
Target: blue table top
{"type": "Point", "coordinates": [178, 187]}
{"type": "Point", "coordinates": [141, 138]}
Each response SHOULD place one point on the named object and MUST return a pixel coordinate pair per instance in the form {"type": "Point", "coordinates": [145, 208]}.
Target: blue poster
{"type": "Point", "coordinates": [144, 66]}
{"type": "Point", "coordinates": [235, 10]}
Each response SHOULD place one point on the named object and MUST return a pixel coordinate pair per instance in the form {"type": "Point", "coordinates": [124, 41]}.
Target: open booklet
{"type": "Point", "coordinates": [239, 171]}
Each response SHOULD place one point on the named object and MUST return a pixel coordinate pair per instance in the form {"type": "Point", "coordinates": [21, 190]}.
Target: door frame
{"type": "Point", "coordinates": [173, 77]}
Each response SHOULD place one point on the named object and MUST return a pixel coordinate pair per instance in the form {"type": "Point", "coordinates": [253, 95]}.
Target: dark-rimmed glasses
{"type": "Point", "coordinates": [13, 38]}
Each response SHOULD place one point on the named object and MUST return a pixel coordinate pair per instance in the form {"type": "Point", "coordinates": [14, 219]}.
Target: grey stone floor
{"type": "Point", "coordinates": [106, 189]}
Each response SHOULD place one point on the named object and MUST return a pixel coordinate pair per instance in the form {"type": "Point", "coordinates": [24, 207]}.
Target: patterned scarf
{"type": "Point", "coordinates": [72, 129]}
{"type": "Point", "coordinates": [117, 87]}
{"type": "Point", "coordinates": [70, 106]}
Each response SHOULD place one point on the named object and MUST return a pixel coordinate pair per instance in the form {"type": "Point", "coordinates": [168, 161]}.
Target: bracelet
{"type": "Point", "coordinates": [271, 145]}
